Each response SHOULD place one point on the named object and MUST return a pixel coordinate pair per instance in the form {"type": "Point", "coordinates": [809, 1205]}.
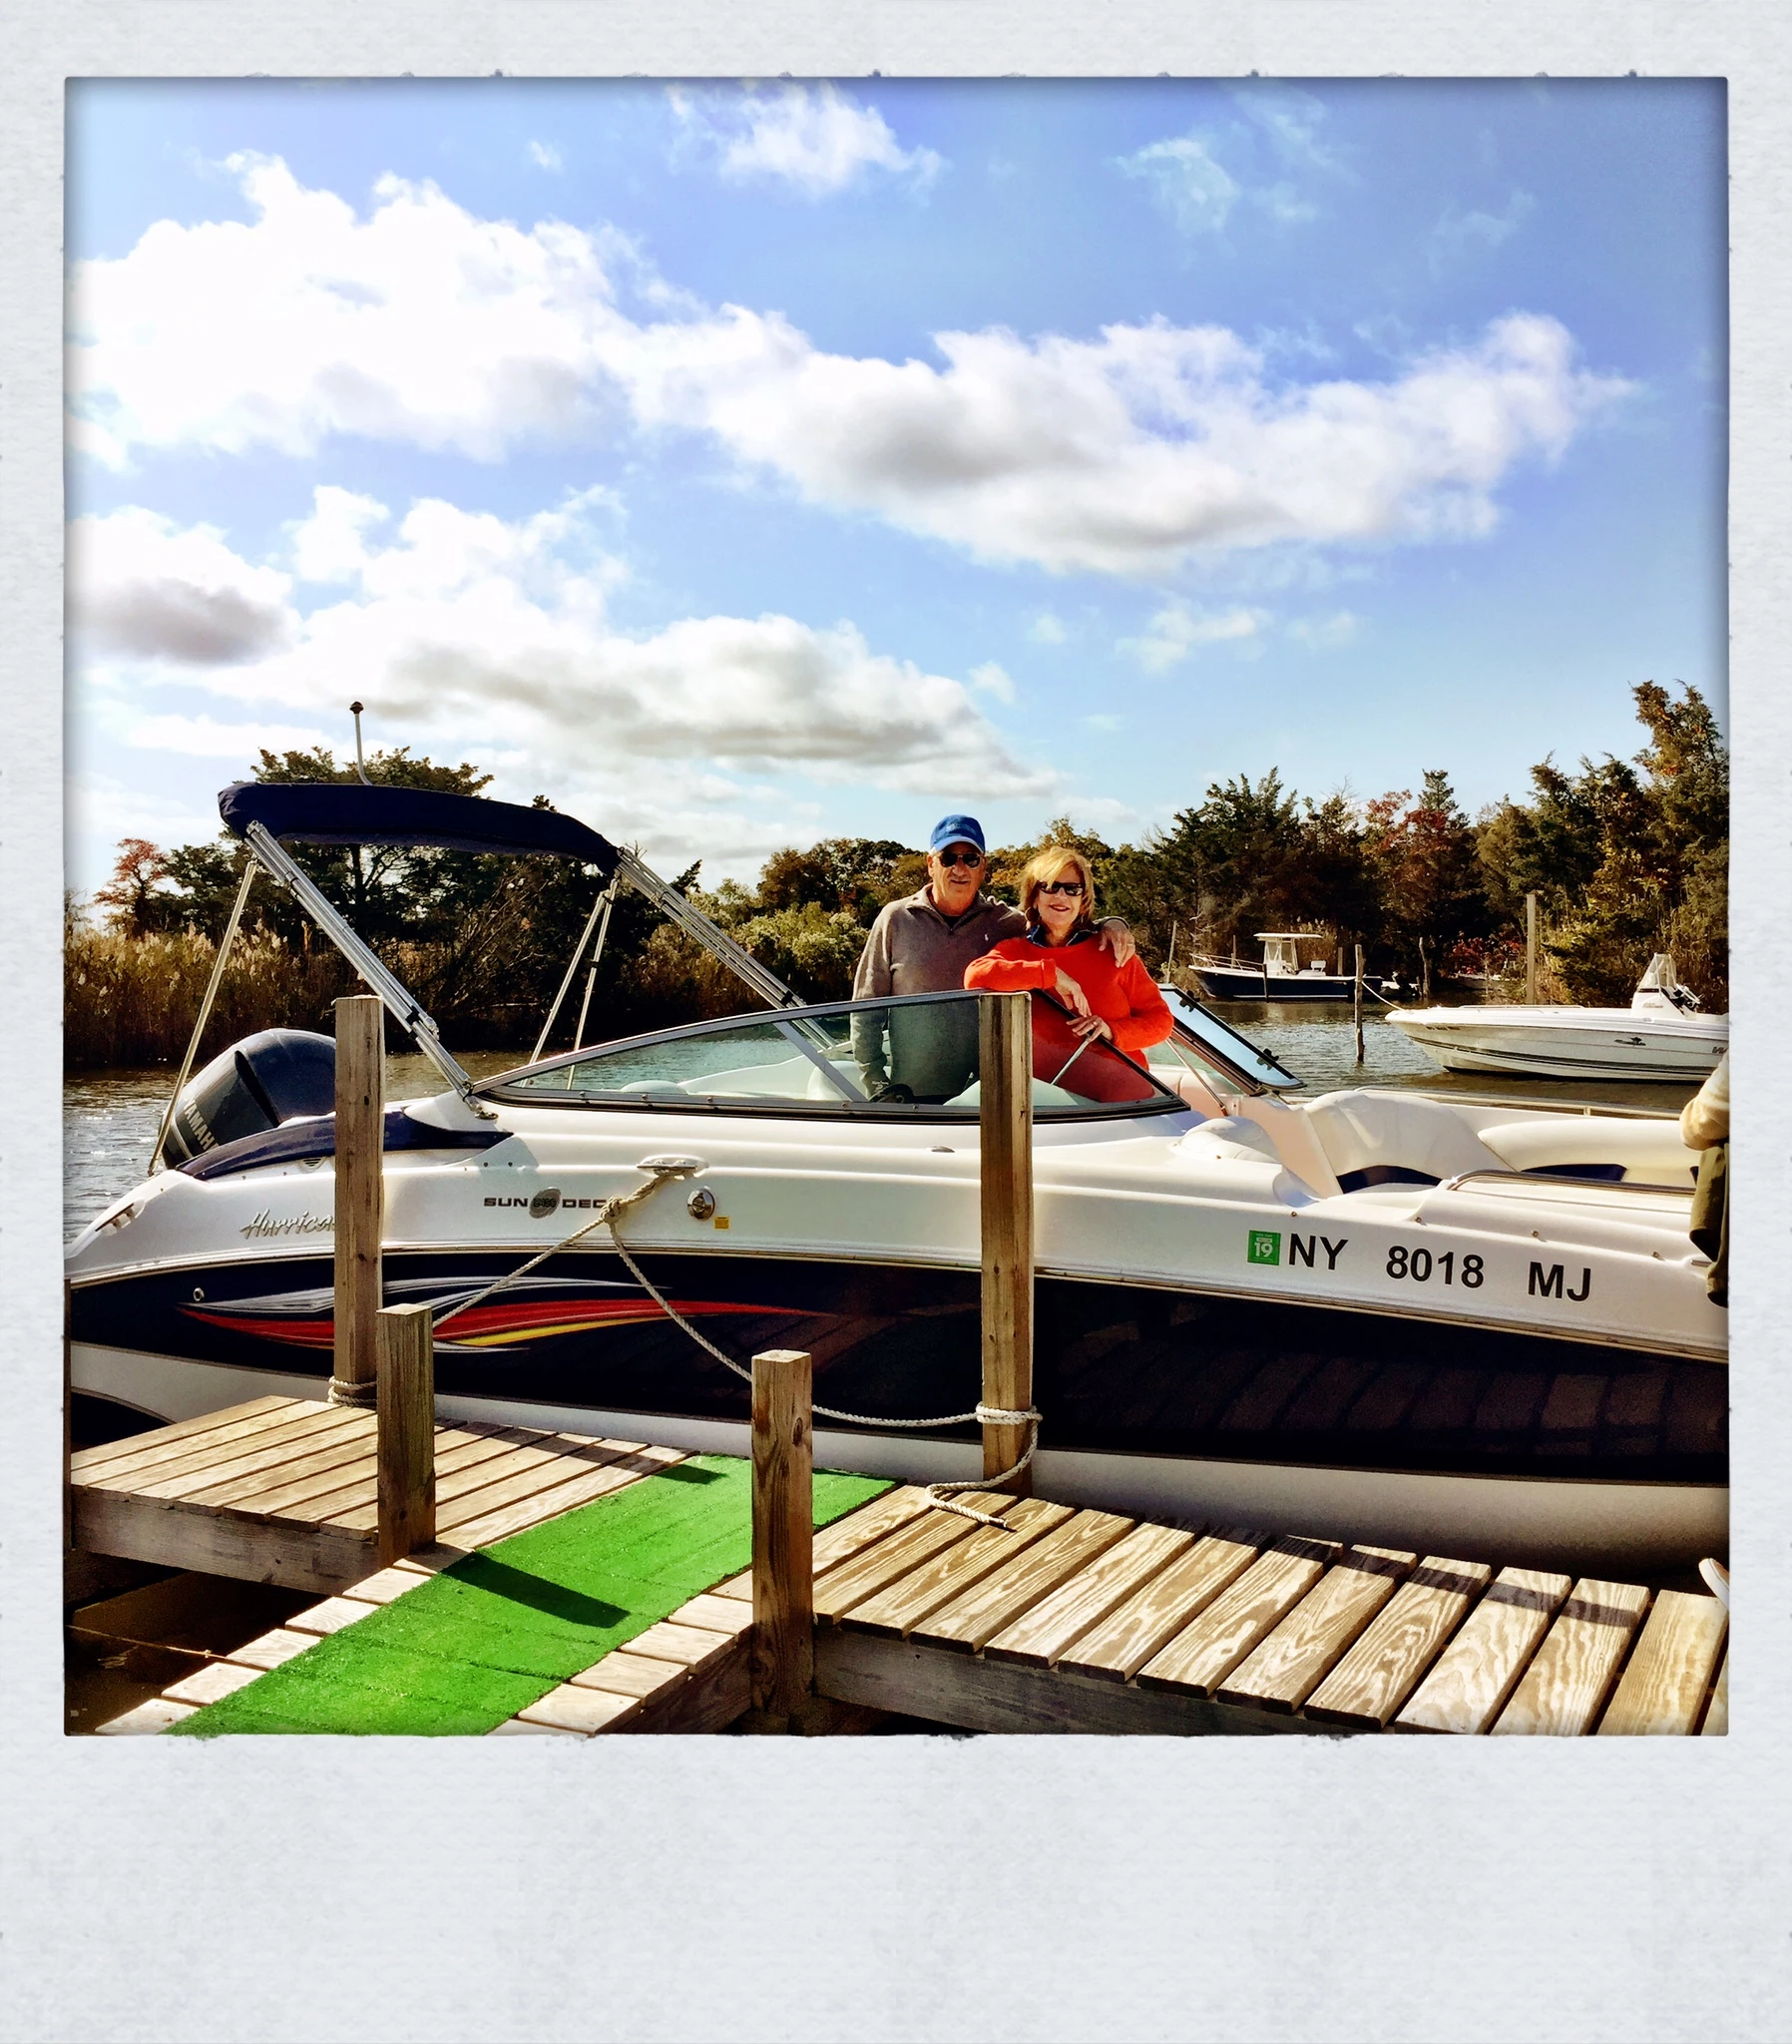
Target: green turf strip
{"type": "Point", "coordinates": [488, 1637]}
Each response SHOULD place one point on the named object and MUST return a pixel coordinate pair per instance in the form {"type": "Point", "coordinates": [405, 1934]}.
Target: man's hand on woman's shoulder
{"type": "Point", "coordinates": [1117, 938]}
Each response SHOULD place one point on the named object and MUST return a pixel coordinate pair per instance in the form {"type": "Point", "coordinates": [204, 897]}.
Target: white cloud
{"type": "Point", "coordinates": [419, 323]}
{"type": "Point", "coordinates": [1319, 634]}
{"type": "Point", "coordinates": [1187, 180]}
{"type": "Point", "coordinates": [153, 592]}
{"type": "Point", "coordinates": [1129, 453]}
{"type": "Point", "coordinates": [993, 680]}
{"type": "Point", "coordinates": [546, 156]}
{"type": "Point", "coordinates": [1291, 121]}
{"type": "Point", "coordinates": [1279, 132]}
{"type": "Point", "coordinates": [1048, 629]}
{"type": "Point", "coordinates": [1458, 234]}
{"type": "Point", "coordinates": [1103, 722]}
{"type": "Point", "coordinates": [203, 738]}
{"type": "Point", "coordinates": [466, 629]}
{"type": "Point", "coordinates": [816, 139]}
{"type": "Point", "coordinates": [1179, 629]}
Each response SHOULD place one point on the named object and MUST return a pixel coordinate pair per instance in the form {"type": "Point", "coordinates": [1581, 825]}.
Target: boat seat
{"type": "Point", "coordinates": [1589, 1146]}
{"type": "Point", "coordinates": [1374, 1139]}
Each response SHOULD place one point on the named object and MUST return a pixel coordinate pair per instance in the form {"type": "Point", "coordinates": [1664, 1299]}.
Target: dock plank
{"type": "Point", "coordinates": [322, 1559]}
{"type": "Point", "coordinates": [148, 1719]}
{"type": "Point", "coordinates": [1204, 1652]}
{"type": "Point", "coordinates": [864, 1528]}
{"type": "Point", "coordinates": [520, 1484]}
{"type": "Point", "coordinates": [1050, 1627]}
{"type": "Point", "coordinates": [571, 1709]}
{"type": "Point", "coordinates": [85, 1463]}
{"type": "Point", "coordinates": [875, 1568]}
{"type": "Point", "coordinates": [629, 1674]}
{"type": "Point", "coordinates": [1385, 1665]}
{"type": "Point", "coordinates": [331, 1616]}
{"type": "Point", "coordinates": [694, 1648]}
{"type": "Point", "coordinates": [344, 1449]}
{"type": "Point", "coordinates": [211, 1684]}
{"type": "Point", "coordinates": [1147, 1620]}
{"type": "Point", "coordinates": [981, 1695]}
{"type": "Point", "coordinates": [189, 1464]}
{"type": "Point", "coordinates": [1284, 1669]}
{"type": "Point", "coordinates": [920, 1593]}
{"type": "Point", "coordinates": [274, 1649]}
{"type": "Point", "coordinates": [1717, 1711]}
{"type": "Point", "coordinates": [972, 1619]}
{"type": "Point", "coordinates": [1663, 1688]}
{"type": "Point", "coordinates": [1561, 1695]}
{"type": "Point", "coordinates": [317, 1502]}
{"type": "Point", "coordinates": [1479, 1670]}
{"type": "Point", "coordinates": [502, 1522]}
{"type": "Point", "coordinates": [284, 1494]}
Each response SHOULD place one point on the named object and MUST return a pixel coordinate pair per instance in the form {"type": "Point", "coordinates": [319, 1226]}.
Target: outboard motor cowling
{"type": "Point", "coordinates": [255, 1086]}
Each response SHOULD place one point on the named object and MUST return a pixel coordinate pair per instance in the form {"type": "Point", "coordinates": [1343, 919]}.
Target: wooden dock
{"type": "Point", "coordinates": [1056, 1619]}
{"type": "Point", "coordinates": [287, 1490]}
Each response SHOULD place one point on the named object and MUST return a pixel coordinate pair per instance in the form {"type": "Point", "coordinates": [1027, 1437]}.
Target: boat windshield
{"type": "Point", "coordinates": [915, 1057]}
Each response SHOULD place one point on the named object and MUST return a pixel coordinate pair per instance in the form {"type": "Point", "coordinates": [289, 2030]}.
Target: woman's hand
{"type": "Point", "coordinates": [1091, 1027]}
{"type": "Point", "coordinates": [1071, 995]}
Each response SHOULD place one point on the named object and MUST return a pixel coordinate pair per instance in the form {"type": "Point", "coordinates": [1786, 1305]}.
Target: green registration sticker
{"type": "Point", "coordinates": [1265, 1247]}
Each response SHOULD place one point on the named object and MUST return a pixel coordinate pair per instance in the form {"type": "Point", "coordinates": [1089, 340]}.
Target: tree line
{"type": "Point", "coordinates": [1628, 856]}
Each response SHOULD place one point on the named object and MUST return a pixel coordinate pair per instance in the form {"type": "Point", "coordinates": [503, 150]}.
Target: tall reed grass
{"type": "Point", "coordinates": [133, 1000]}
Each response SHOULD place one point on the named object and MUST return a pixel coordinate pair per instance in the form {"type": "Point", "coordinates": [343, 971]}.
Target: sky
{"type": "Point", "coordinates": [741, 465]}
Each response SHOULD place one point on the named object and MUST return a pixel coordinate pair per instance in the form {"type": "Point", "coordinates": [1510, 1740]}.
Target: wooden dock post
{"type": "Point", "coordinates": [1005, 1026]}
{"type": "Point", "coordinates": [782, 1656]}
{"type": "Point", "coordinates": [360, 1133]}
{"type": "Point", "coordinates": [407, 1430]}
{"type": "Point", "coordinates": [1530, 962]}
{"type": "Point", "coordinates": [1357, 998]}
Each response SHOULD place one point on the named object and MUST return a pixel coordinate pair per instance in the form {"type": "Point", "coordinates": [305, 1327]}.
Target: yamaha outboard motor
{"type": "Point", "coordinates": [253, 1087]}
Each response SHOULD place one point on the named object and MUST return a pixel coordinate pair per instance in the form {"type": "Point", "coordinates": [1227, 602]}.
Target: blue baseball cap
{"type": "Point", "coordinates": [956, 831]}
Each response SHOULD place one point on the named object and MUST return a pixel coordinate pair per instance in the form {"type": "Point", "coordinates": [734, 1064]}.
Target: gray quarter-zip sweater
{"type": "Point", "coordinates": [914, 949]}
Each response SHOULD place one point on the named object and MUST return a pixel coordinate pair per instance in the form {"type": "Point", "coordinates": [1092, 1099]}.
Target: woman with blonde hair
{"type": "Point", "coordinates": [1060, 956]}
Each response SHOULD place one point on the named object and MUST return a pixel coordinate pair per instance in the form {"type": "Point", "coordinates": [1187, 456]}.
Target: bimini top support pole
{"type": "Point", "coordinates": [400, 1003]}
{"type": "Point", "coordinates": [673, 905]}
{"type": "Point", "coordinates": [198, 1028]}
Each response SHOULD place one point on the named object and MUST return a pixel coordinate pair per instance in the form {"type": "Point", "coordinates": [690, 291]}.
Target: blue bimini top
{"type": "Point", "coordinates": [348, 812]}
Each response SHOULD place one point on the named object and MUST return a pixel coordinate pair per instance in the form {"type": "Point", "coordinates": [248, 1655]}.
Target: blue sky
{"type": "Point", "coordinates": [740, 465]}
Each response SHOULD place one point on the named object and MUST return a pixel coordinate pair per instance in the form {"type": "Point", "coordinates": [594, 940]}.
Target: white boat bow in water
{"type": "Point", "coordinates": [1660, 1036]}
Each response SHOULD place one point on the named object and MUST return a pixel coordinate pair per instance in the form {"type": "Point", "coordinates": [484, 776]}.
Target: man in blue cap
{"type": "Point", "coordinates": [921, 945]}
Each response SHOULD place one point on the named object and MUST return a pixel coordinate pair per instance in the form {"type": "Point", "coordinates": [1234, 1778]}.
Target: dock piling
{"type": "Point", "coordinates": [1357, 1001]}
{"type": "Point", "coordinates": [1005, 1023]}
{"type": "Point", "coordinates": [407, 1430]}
{"type": "Point", "coordinates": [782, 1654]}
{"type": "Point", "coordinates": [360, 1143]}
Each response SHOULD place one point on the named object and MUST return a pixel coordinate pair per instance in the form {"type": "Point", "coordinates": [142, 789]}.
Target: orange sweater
{"type": "Point", "coordinates": [1124, 996]}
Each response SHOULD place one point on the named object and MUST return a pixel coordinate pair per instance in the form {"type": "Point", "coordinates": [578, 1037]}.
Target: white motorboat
{"type": "Point", "coordinates": [1660, 1036]}
{"type": "Point", "coordinates": [1371, 1313]}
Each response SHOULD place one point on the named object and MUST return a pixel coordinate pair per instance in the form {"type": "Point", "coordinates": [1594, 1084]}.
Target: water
{"type": "Point", "coordinates": [109, 1119]}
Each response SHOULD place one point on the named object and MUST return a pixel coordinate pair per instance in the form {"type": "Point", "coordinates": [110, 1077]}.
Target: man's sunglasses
{"type": "Point", "coordinates": [959, 858]}
{"type": "Point", "coordinates": [1060, 888]}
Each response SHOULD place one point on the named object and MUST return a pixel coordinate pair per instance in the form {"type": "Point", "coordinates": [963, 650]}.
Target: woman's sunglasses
{"type": "Point", "coordinates": [1060, 888]}
{"type": "Point", "coordinates": [959, 858]}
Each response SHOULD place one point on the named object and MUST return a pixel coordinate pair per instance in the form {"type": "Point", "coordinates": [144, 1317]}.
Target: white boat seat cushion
{"type": "Point", "coordinates": [1644, 1151]}
{"type": "Point", "coordinates": [1382, 1137]}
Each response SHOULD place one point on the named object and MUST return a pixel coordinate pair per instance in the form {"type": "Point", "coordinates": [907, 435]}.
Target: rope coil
{"type": "Point", "coordinates": [941, 1495]}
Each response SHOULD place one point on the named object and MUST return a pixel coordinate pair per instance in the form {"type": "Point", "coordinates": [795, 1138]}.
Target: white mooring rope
{"type": "Point", "coordinates": [942, 1495]}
